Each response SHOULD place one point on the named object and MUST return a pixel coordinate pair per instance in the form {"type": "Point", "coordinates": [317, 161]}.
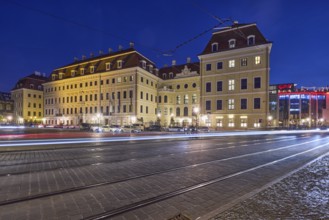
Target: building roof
{"type": "Point", "coordinates": [33, 81]}
{"type": "Point", "coordinates": [129, 57]}
{"type": "Point", "coordinates": [178, 70]}
{"type": "Point", "coordinates": [5, 97]}
{"type": "Point", "coordinates": [240, 33]}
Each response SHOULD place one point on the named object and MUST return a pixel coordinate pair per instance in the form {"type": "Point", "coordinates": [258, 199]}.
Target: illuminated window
{"type": "Point", "coordinates": [257, 60]}
{"type": "Point", "coordinates": [219, 122]}
{"type": "Point", "coordinates": [185, 99]}
{"type": "Point", "coordinates": [178, 99]}
{"type": "Point", "coordinates": [231, 63]}
{"type": "Point", "coordinates": [119, 80]}
{"type": "Point", "coordinates": [231, 122]}
{"type": "Point", "coordinates": [243, 122]}
{"type": "Point", "coordinates": [92, 69]}
{"type": "Point", "coordinates": [231, 43]}
{"type": "Point", "coordinates": [231, 84]}
{"type": "Point", "coordinates": [73, 73]}
{"type": "Point", "coordinates": [194, 100]}
{"type": "Point", "coordinates": [231, 104]}
{"type": "Point", "coordinates": [82, 71]}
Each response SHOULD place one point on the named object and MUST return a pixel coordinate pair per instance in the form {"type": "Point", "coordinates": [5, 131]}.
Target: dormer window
{"type": "Point", "coordinates": [31, 86]}
{"type": "Point", "coordinates": [251, 40]}
{"type": "Point", "coordinates": [214, 47]}
{"type": "Point", "coordinates": [82, 71]}
{"type": "Point", "coordinates": [231, 43]}
{"type": "Point", "coordinates": [60, 76]}
{"type": "Point", "coordinates": [164, 76]}
{"type": "Point", "coordinates": [53, 77]}
{"type": "Point", "coordinates": [108, 66]}
{"type": "Point", "coordinates": [150, 68]}
{"type": "Point", "coordinates": [119, 64]}
{"type": "Point", "coordinates": [143, 64]}
{"type": "Point", "coordinates": [171, 75]}
{"type": "Point", "coordinates": [39, 87]}
{"type": "Point", "coordinates": [73, 73]}
{"type": "Point", "coordinates": [92, 69]}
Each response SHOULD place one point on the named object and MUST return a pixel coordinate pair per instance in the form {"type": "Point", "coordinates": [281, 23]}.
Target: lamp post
{"type": "Point", "coordinates": [196, 112]}
{"type": "Point", "coordinates": [269, 119]}
{"type": "Point", "coordinates": [159, 118]}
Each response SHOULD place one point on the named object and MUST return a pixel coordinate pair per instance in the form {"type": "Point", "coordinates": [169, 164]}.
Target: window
{"type": "Point", "coordinates": [208, 67]}
{"type": "Point", "coordinates": [244, 83]}
{"type": "Point", "coordinates": [119, 64]}
{"type": "Point", "coordinates": [178, 99]}
{"type": "Point", "coordinates": [243, 122]}
{"type": "Point", "coordinates": [220, 65]}
{"type": "Point", "coordinates": [164, 76]}
{"type": "Point", "coordinates": [208, 87]}
{"type": "Point", "coordinates": [119, 80]}
{"type": "Point", "coordinates": [194, 101]}
{"type": "Point", "coordinates": [143, 64]}
{"type": "Point", "coordinates": [231, 43]}
{"type": "Point", "coordinates": [194, 85]}
{"type": "Point", "coordinates": [231, 104]}
{"type": "Point", "coordinates": [92, 69]}
{"type": "Point", "coordinates": [256, 103]}
{"type": "Point", "coordinates": [177, 111]}
{"type": "Point", "coordinates": [124, 94]}
{"type": "Point", "coordinates": [219, 104]}
{"type": "Point", "coordinates": [257, 83]}
{"type": "Point", "coordinates": [142, 79]}
{"type": "Point", "coordinates": [244, 62]}
{"type": "Point", "coordinates": [251, 40]}
{"type": "Point", "coordinates": [178, 86]}
{"type": "Point", "coordinates": [141, 109]}
{"type": "Point", "coordinates": [185, 111]}
{"type": "Point", "coordinates": [159, 99]}
{"type": "Point", "coordinates": [219, 86]}
{"type": "Point", "coordinates": [231, 84]}
{"type": "Point", "coordinates": [165, 99]}
{"type": "Point", "coordinates": [108, 66]}
{"type": "Point", "coordinates": [82, 71]}
{"type": "Point", "coordinates": [186, 86]}
{"type": "Point", "coordinates": [214, 47]}
{"type": "Point", "coordinates": [243, 103]}
{"type": "Point", "coordinates": [231, 63]}
{"type": "Point", "coordinates": [257, 60]}
{"type": "Point", "coordinates": [208, 105]}
{"type": "Point", "coordinates": [141, 95]}
{"type": "Point", "coordinates": [185, 99]}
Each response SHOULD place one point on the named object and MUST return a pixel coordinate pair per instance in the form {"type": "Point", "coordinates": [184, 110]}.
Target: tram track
{"type": "Point", "coordinates": [115, 161]}
{"type": "Point", "coordinates": [85, 187]}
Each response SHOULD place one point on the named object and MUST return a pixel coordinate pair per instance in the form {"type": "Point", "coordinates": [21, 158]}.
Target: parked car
{"type": "Point", "coordinates": [154, 128]}
{"type": "Point", "coordinates": [115, 129]}
{"type": "Point", "coordinates": [175, 129]}
{"type": "Point", "coordinates": [84, 126]}
{"type": "Point", "coordinates": [131, 129]}
{"type": "Point", "coordinates": [96, 128]}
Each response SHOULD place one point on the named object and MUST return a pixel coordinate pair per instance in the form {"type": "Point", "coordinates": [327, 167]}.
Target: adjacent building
{"type": "Point", "coordinates": [234, 81]}
{"type": "Point", "coordinates": [28, 99]}
{"type": "Point", "coordinates": [6, 108]}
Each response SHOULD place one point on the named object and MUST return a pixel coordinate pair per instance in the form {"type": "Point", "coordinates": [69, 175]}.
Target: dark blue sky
{"type": "Point", "coordinates": [41, 35]}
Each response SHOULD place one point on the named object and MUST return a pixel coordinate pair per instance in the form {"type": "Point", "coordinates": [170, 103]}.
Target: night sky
{"type": "Point", "coordinates": [41, 35]}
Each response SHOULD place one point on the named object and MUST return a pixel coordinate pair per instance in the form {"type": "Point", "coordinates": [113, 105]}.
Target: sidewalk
{"type": "Point", "coordinates": [302, 195]}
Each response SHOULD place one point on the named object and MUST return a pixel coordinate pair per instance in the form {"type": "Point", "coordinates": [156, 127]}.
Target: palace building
{"type": "Point", "coordinates": [228, 88]}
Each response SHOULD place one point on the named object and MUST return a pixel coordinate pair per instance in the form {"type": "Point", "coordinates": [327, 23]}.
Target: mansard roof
{"type": "Point", "coordinates": [5, 97]}
{"type": "Point", "coordinates": [129, 57]}
{"type": "Point", "coordinates": [178, 69]}
{"type": "Point", "coordinates": [33, 81]}
{"type": "Point", "coordinates": [240, 33]}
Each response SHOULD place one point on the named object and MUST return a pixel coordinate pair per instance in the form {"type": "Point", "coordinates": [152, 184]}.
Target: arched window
{"type": "Point", "coordinates": [165, 99]}
{"type": "Point", "coordinates": [164, 76]}
{"type": "Point", "coordinates": [185, 111]}
{"type": "Point", "coordinates": [214, 47]}
{"type": "Point", "coordinates": [251, 40]}
{"type": "Point", "coordinates": [231, 43]}
{"type": "Point", "coordinates": [177, 111]}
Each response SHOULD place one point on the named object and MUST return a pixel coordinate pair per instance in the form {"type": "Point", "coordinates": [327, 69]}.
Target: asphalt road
{"type": "Point", "coordinates": [142, 177]}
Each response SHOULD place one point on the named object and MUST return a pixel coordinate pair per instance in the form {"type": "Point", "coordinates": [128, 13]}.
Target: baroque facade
{"type": "Point", "coordinates": [6, 108]}
{"type": "Point", "coordinates": [228, 88]}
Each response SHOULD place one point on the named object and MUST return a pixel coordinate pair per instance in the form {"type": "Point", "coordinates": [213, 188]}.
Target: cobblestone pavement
{"type": "Point", "coordinates": [303, 195]}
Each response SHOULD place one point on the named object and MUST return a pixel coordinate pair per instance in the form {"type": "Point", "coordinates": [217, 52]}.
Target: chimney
{"type": "Point", "coordinates": [173, 63]}
{"type": "Point", "coordinates": [131, 44]}
{"type": "Point", "coordinates": [83, 57]}
{"type": "Point", "coordinates": [100, 52]}
{"type": "Point", "coordinates": [120, 47]}
{"type": "Point", "coordinates": [188, 60]}
{"type": "Point", "coordinates": [76, 59]}
{"type": "Point", "coordinates": [110, 50]}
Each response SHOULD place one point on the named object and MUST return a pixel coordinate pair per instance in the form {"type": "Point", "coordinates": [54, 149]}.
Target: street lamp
{"type": "Point", "coordinates": [270, 118]}
{"type": "Point", "coordinates": [9, 119]}
{"type": "Point", "coordinates": [196, 112]}
{"type": "Point", "coordinates": [159, 116]}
